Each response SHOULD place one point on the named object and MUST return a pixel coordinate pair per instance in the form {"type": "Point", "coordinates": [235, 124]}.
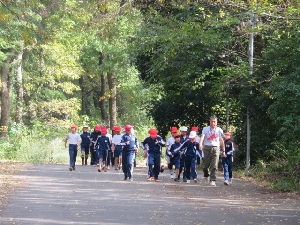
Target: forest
{"type": "Point", "coordinates": [153, 63]}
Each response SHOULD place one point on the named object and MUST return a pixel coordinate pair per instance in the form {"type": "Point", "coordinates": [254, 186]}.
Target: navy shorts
{"type": "Point", "coordinates": [101, 154]}
{"type": "Point", "coordinates": [118, 153]}
{"type": "Point", "coordinates": [85, 148]}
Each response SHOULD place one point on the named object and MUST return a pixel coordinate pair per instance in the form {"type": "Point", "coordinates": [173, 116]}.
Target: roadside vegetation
{"type": "Point", "coordinates": [152, 63]}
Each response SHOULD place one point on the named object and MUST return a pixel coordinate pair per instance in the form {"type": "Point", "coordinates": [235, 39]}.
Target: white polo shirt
{"type": "Point", "coordinates": [212, 136]}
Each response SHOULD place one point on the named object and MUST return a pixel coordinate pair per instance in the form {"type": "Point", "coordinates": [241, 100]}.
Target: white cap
{"type": "Point", "coordinates": [183, 128]}
{"type": "Point", "coordinates": [193, 134]}
{"type": "Point", "coordinates": [85, 126]}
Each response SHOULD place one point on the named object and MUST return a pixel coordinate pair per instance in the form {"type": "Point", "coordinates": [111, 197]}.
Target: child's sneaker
{"type": "Point", "coordinates": [230, 181]}
{"type": "Point", "coordinates": [188, 181]}
{"type": "Point", "coordinates": [195, 180]}
{"type": "Point", "coordinates": [171, 176]}
{"type": "Point", "coordinates": [212, 183]}
{"type": "Point", "coordinates": [162, 168]}
{"type": "Point", "coordinates": [226, 182]}
{"type": "Point", "coordinates": [150, 178]}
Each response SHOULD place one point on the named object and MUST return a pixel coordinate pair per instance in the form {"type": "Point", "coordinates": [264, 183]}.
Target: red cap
{"type": "Point", "coordinates": [228, 133]}
{"type": "Point", "coordinates": [153, 132]}
{"type": "Point", "coordinates": [74, 126]}
{"type": "Point", "coordinates": [128, 127]}
{"type": "Point", "coordinates": [114, 128]}
{"type": "Point", "coordinates": [176, 135]}
{"type": "Point", "coordinates": [117, 128]}
{"type": "Point", "coordinates": [174, 129]}
{"type": "Point", "coordinates": [97, 127]}
{"type": "Point", "coordinates": [194, 129]}
{"type": "Point", "coordinates": [104, 130]}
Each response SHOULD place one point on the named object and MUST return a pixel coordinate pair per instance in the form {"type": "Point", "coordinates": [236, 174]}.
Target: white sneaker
{"type": "Point", "coordinates": [230, 181]}
{"type": "Point", "coordinates": [171, 176]}
{"type": "Point", "coordinates": [206, 180]}
{"type": "Point", "coordinates": [212, 183]}
{"type": "Point", "coordinates": [226, 182]}
{"type": "Point", "coordinates": [188, 181]}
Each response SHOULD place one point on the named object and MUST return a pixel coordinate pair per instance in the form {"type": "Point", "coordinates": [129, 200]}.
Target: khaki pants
{"type": "Point", "coordinates": [210, 161]}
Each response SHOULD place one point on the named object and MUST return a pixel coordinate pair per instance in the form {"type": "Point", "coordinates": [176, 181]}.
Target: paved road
{"type": "Point", "coordinates": [54, 195]}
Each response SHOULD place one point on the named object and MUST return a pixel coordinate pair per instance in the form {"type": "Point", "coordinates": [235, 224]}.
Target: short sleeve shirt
{"type": "Point", "coordinates": [212, 136]}
{"type": "Point", "coordinates": [73, 138]}
{"type": "Point", "coordinates": [116, 140]}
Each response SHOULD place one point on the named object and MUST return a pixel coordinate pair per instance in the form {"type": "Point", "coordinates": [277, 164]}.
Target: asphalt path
{"type": "Point", "coordinates": [51, 194]}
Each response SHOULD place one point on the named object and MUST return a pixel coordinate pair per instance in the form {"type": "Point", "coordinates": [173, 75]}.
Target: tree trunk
{"type": "Point", "coordinates": [112, 99]}
{"type": "Point", "coordinates": [85, 101]}
{"type": "Point", "coordinates": [102, 99]}
{"type": "Point", "coordinates": [102, 91]}
{"type": "Point", "coordinates": [5, 96]}
{"type": "Point", "coordinates": [20, 91]}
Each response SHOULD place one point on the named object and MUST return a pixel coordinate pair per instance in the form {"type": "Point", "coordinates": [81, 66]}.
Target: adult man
{"type": "Point", "coordinates": [169, 142]}
{"type": "Point", "coordinates": [154, 143]}
{"type": "Point", "coordinates": [212, 139]}
{"type": "Point", "coordinates": [130, 144]}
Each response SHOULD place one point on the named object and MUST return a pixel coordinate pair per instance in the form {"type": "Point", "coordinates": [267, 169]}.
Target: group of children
{"type": "Point", "coordinates": [183, 151]}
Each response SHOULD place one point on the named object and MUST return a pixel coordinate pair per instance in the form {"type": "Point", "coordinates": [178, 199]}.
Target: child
{"type": "Point", "coordinates": [154, 143]}
{"type": "Point", "coordinates": [85, 144]}
{"type": "Point", "coordinates": [94, 136]}
{"type": "Point", "coordinates": [117, 147]}
{"type": "Point", "coordinates": [227, 158]}
{"type": "Point", "coordinates": [175, 157]}
{"type": "Point", "coordinates": [103, 145]}
{"type": "Point", "coordinates": [129, 143]}
{"type": "Point", "coordinates": [191, 146]}
{"type": "Point", "coordinates": [74, 144]}
{"type": "Point", "coordinates": [170, 141]}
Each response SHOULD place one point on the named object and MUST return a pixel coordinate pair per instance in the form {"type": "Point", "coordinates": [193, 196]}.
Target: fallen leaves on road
{"type": "Point", "coordinates": [8, 182]}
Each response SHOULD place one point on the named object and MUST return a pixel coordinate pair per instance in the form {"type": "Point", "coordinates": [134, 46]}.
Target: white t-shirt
{"type": "Point", "coordinates": [170, 141]}
{"type": "Point", "coordinates": [73, 138]}
{"type": "Point", "coordinates": [109, 137]}
{"type": "Point", "coordinates": [212, 136]}
{"type": "Point", "coordinates": [116, 140]}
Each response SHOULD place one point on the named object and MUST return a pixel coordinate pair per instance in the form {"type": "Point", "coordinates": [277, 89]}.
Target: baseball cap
{"type": "Point", "coordinates": [228, 133]}
{"type": "Point", "coordinates": [174, 129]}
{"type": "Point", "coordinates": [194, 129]}
{"type": "Point", "coordinates": [97, 127]}
{"type": "Point", "coordinates": [176, 135]}
{"type": "Point", "coordinates": [74, 126]}
{"type": "Point", "coordinates": [117, 128]}
{"type": "Point", "coordinates": [183, 128]}
{"type": "Point", "coordinates": [128, 127]}
{"type": "Point", "coordinates": [193, 134]}
{"type": "Point", "coordinates": [153, 132]}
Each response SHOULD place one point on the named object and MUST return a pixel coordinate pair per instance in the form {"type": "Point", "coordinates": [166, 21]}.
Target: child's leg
{"type": "Point", "coordinates": [100, 163]}
{"type": "Point", "coordinates": [225, 168]}
{"type": "Point", "coordinates": [82, 157]}
{"type": "Point", "coordinates": [230, 166]}
{"type": "Point", "coordinates": [116, 162]}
